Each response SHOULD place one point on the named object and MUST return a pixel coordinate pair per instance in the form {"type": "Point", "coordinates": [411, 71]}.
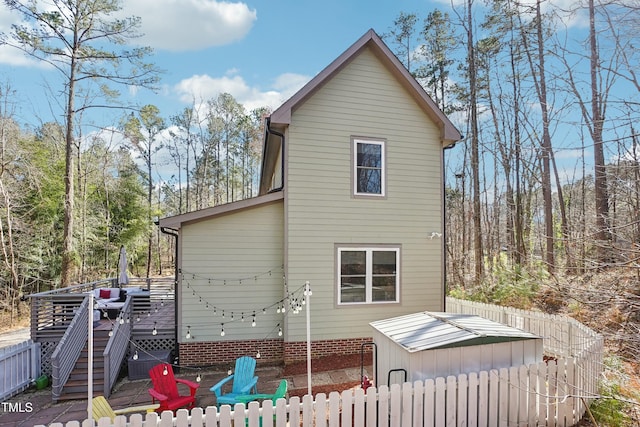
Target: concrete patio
{"type": "Point", "coordinates": [35, 407]}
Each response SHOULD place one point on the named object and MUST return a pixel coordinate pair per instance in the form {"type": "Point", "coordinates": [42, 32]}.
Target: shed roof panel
{"type": "Point", "coordinates": [427, 330]}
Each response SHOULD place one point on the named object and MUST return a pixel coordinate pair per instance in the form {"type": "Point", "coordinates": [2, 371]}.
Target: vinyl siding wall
{"type": "Point", "coordinates": [363, 100]}
{"type": "Point", "coordinates": [244, 245]}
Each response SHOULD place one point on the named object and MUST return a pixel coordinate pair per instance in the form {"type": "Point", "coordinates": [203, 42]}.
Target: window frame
{"type": "Point", "coordinates": [369, 250]}
{"type": "Point", "coordinates": [354, 167]}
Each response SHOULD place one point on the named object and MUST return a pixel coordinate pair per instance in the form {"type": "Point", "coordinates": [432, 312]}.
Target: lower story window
{"type": "Point", "coordinates": [368, 275]}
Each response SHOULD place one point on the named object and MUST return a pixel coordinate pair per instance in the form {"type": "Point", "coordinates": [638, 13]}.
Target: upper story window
{"type": "Point", "coordinates": [368, 275]}
{"type": "Point", "coordinates": [369, 174]}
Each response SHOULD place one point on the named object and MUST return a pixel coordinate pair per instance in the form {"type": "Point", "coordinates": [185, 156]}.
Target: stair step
{"type": "Point", "coordinates": [84, 364]}
{"type": "Point", "coordinates": [79, 396]}
{"type": "Point", "coordinates": [82, 382]}
{"type": "Point", "coordinates": [80, 374]}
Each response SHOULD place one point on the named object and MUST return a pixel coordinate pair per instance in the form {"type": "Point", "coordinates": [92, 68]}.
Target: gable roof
{"type": "Point", "coordinates": [449, 133]}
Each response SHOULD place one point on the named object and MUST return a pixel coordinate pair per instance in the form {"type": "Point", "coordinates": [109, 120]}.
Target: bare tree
{"type": "Point", "coordinates": [70, 35]}
{"type": "Point", "coordinates": [143, 133]}
{"type": "Point", "coordinates": [475, 142]}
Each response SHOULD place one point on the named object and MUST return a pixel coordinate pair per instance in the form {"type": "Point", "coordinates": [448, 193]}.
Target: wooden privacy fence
{"type": "Point", "coordinates": [538, 395]}
{"type": "Point", "coordinates": [555, 393]}
{"type": "Point", "coordinates": [562, 335]}
{"type": "Point", "coordinates": [19, 367]}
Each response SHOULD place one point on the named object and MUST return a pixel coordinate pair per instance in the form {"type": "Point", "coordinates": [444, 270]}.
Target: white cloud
{"type": "Point", "coordinates": [10, 55]}
{"type": "Point", "coordinates": [185, 25]}
{"type": "Point", "coordinates": [203, 87]}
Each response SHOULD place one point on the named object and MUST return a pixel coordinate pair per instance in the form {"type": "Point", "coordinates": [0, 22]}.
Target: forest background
{"type": "Point", "coordinates": [542, 194]}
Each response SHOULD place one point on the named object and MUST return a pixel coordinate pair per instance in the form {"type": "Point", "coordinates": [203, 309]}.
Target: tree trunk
{"type": "Point", "coordinates": [603, 234]}
{"type": "Point", "coordinates": [475, 157]}
{"type": "Point", "coordinates": [66, 271]}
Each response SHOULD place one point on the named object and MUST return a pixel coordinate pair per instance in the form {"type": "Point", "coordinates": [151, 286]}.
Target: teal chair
{"type": "Point", "coordinates": [244, 382]}
{"type": "Point", "coordinates": [281, 392]}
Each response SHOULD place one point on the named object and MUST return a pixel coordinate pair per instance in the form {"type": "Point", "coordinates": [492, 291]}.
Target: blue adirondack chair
{"type": "Point", "coordinates": [244, 382]}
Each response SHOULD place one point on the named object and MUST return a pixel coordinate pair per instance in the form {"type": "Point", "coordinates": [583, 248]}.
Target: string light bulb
{"type": "Point", "coordinates": [155, 331]}
{"type": "Point", "coordinates": [135, 355]}
{"type": "Point", "coordinates": [258, 355]}
{"type": "Point", "coordinates": [198, 378]}
{"type": "Point", "coordinates": [253, 321]}
{"type": "Point", "coordinates": [188, 336]}
{"type": "Point", "coordinates": [165, 371]}
{"type": "Point", "coordinates": [222, 329]}
{"type": "Point", "coordinates": [280, 332]}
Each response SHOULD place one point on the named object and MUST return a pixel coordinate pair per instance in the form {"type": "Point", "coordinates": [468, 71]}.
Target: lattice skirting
{"type": "Point", "coordinates": [46, 351]}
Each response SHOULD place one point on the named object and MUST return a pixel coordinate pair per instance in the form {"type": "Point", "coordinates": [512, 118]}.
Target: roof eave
{"type": "Point", "coordinates": [177, 221]}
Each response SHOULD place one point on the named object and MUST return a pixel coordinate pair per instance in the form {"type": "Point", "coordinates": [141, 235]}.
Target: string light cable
{"type": "Point", "coordinates": [292, 303]}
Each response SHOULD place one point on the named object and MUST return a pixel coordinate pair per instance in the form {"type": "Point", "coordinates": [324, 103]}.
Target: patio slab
{"type": "Point", "coordinates": [135, 392]}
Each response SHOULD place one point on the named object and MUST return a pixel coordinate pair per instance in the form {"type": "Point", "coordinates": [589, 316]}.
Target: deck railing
{"type": "Point", "coordinates": [116, 348]}
{"type": "Point", "coordinates": [54, 329]}
{"type": "Point", "coordinates": [69, 348]}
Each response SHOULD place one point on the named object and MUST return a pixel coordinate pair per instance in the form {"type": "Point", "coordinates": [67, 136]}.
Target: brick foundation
{"type": "Point", "coordinates": [224, 353]}
{"type": "Point", "coordinates": [297, 351]}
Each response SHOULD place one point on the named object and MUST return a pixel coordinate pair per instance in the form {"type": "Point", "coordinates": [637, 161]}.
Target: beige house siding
{"type": "Point", "coordinates": [247, 246]}
{"type": "Point", "coordinates": [363, 100]}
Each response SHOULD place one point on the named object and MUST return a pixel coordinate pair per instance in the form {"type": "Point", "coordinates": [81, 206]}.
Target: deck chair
{"type": "Point", "coordinates": [281, 392]}
{"type": "Point", "coordinates": [165, 389]}
{"type": "Point", "coordinates": [244, 382]}
{"type": "Point", "coordinates": [100, 408]}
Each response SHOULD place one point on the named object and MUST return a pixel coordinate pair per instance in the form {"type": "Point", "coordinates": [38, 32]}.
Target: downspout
{"type": "Point", "coordinates": [284, 255]}
{"type": "Point", "coordinates": [173, 232]}
{"type": "Point", "coordinates": [281, 136]}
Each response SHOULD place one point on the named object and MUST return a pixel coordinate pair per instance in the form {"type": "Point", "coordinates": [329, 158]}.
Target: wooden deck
{"type": "Point", "coordinates": [161, 316]}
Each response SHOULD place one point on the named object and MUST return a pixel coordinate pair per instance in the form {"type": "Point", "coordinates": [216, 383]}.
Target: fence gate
{"type": "Point", "coordinates": [19, 367]}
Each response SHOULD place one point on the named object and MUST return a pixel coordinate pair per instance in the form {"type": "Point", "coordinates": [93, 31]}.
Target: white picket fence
{"type": "Point", "coordinates": [555, 393]}
{"type": "Point", "coordinates": [19, 367]}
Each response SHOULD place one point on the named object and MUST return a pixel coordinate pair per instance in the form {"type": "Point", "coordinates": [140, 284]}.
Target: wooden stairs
{"type": "Point", "coordinates": [76, 387]}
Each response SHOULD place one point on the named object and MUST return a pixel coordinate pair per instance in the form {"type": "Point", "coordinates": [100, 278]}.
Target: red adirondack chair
{"type": "Point", "coordinates": [165, 389]}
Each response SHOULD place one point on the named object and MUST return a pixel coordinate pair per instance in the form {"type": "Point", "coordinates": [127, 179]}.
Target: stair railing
{"type": "Point", "coordinates": [69, 348]}
{"type": "Point", "coordinates": [116, 349]}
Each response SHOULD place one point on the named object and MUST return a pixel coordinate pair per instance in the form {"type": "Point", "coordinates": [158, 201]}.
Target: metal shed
{"type": "Point", "coordinates": [430, 345]}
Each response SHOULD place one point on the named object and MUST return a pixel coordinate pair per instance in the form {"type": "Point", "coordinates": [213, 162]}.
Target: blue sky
{"type": "Point", "coordinates": [259, 51]}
